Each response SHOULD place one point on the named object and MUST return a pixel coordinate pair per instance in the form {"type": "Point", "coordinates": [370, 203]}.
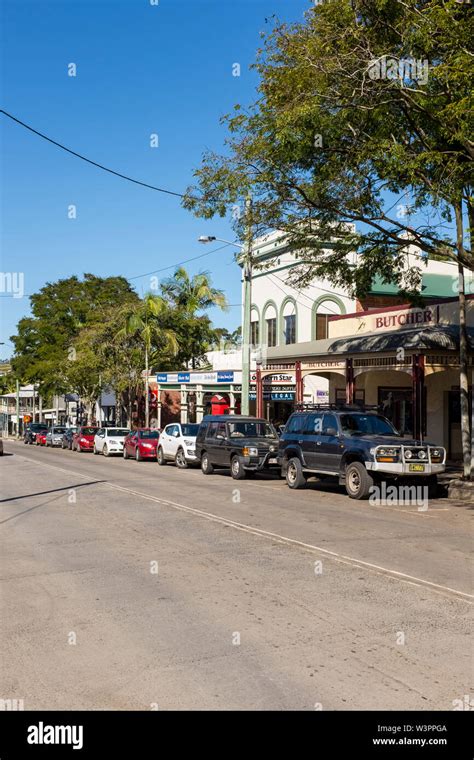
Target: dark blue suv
{"type": "Point", "coordinates": [358, 446]}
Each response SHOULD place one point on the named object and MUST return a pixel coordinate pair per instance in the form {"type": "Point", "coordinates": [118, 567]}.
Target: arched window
{"type": "Point", "coordinates": [254, 327]}
{"type": "Point", "coordinates": [288, 321]}
{"type": "Point", "coordinates": [322, 310]}
{"type": "Point", "coordinates": [270, 336]}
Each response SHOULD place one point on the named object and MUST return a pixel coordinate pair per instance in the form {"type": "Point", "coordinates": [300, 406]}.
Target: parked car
{"type": "Point", "coordinates": [141, 444]}
{"type": "Point", "coordinates": [178, 444]}
{"type": "Point", "coordinates": [1, 447]}
{"type": "Point", "coordinates": [54, 435]}
{"type": "Point", "coordinates": [245, 444]}
{"type": "Point", "coordinates": [83, 438]}
{"type": "Point", "coordinates": [360, 447]}
{"type": "Point", "coordinates": [41, 437]}
{"type": "Point", "coordinates": [110, 440]}
{"type": "Point", "coordinates": [29, 436]}
{"type": "Point", "coordinates": [66, 442]}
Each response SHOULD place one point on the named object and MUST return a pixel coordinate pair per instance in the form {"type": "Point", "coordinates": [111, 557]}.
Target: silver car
{"type": "Point", "coordinates": [54, 436]}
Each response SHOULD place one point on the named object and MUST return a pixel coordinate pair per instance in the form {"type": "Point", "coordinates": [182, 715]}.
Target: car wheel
{"type": "Point", "coordinates": [237, 468]}
{"type": "Point", "coordinates": [138, 456]}
{"type": "Point", "coordinates": [432, 487]}
{"type": "Point", "coordinates": [95, 450]}
{"type": "Point", "coordinates": [105, 450]}
{"type": "Point", "coordinates": [160, 457]}
{"type": "Point", "coordinates": [294, 474]}
{"type": "Point", "coordinates": [206, 465]}
{"type": "Point", "coordinates": [180, 459]}
{"type": "Point", "coordinates": [358, 481]}
{"type": "Point", "coordinates": [79, 449]}
{"type": "Point", "coordinates": [125, 455]}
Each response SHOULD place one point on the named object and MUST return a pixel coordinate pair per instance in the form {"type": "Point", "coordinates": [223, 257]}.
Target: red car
{"type": "Point", "coordinates": [41, 438]}
{"type": "Point", "coordinates": [83, 439]}
{"type": "Point", "coordinates": [141, 444]}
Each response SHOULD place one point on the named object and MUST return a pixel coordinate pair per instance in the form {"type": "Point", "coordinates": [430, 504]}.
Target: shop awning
{"type": "Point", "coordinates": [438, 338]}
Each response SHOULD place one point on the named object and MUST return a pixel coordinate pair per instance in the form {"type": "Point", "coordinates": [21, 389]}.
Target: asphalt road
{"type": "Point", "coordinates": [130, 586]}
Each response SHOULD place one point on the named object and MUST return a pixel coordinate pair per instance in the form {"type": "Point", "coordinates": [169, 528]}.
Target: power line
{"type": "Point", "coordinates": [94, 163]}
{"type": "Point", "coordinates": [179, 263]}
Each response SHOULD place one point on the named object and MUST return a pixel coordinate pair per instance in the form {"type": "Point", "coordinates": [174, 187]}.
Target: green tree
{"type": "Point", "coordinates": [335, 140]}
{"type": "Point", "coordinates": [188, 296]}
{"type": "Point", "coordinates": [147, 321]}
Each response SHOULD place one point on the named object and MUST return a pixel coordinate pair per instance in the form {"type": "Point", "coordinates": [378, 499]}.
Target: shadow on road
{"type": "Point", "coordinates": [52, 490]}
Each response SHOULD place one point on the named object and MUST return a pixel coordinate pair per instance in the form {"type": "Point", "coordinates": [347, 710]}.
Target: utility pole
{"type": "Point", "coordinates": [246, 337]}
{"type": "Point", "coordinates": [17, 408]}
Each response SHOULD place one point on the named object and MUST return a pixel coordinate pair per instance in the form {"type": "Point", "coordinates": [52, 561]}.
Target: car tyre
{"type": "Point", "coordinates": [432, 487]}
{"type": "Point", "coordinates": [180, 459]}
{"type": "Point", "coordinates": [138, 456]}
{"type": "Point", "coordinates": [206, 465]}
{"type": "Point", "coordinates": [95, 450]}
{"type": "Point", "coordinates": [358, 481]}
{"type": "Point", "coordinates": [160, 457]}
{"type": "Point", "coordinates": [294, 474]}
{"type": "Point", "coordinates": [105, 450]}
{"type": "Point", "coordinates": [237, 468]}
{"type": "Point", "coordinates": [125, 455]}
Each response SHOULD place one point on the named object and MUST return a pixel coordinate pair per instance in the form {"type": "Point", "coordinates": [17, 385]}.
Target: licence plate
{"type": "Point", "coordinates": [273, 460]}
{"type": "Point", "coordinates": [416, 467]}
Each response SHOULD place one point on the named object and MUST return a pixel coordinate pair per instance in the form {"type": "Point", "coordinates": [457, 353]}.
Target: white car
{"type": "Point", "coordinates": [178, 444]}
{"type": "Point", "coordinates": [110, 441]}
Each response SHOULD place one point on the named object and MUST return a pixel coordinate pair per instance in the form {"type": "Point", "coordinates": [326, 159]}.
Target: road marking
{"type": "Point", "coordinates": [341, 558]}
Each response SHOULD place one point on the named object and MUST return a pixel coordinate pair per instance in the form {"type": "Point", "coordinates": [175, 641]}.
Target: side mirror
{"type": "Point", "coordinates": [330, 431]}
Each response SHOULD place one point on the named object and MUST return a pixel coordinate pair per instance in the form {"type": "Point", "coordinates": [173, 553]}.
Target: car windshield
{"type": "Point", "coordinates": [117, 431]}
{"type": "Point", "coordinates": [149, 434]}
{"type": "Point", "coordinates": [189, 429]}
{"type": "Point", "coordinates": [59, 430]}
{"type": "Point", "coordinates": [89, 430]}
{"type": "Point", "coordinates": [367, 424]}
{"type": "Point", "coordinates": [251, 430]}
{"type": "Point", "coordinates": [35, 426]}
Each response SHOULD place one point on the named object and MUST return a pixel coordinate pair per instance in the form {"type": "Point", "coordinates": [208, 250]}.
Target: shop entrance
{"type": "Point", "coordinates": [397, 405]}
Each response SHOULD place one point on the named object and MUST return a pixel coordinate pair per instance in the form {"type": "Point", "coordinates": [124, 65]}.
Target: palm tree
{"type": "Point", "coordinates": [191, 295]}
{"type": "Point", "coordinates": [144, 320]}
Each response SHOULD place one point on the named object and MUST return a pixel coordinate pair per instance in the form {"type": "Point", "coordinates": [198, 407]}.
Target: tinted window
{"type": "Point", "coordinates": [89, 430]}
{"type": "Point", "coordinates": [147, 434]}
{"type": "Point", "coordinates": [360, 424]}
{"type": "Point", "coordinates": [202, 430]}
{"type": "Point", "coordinates": [314, 424]}
{"type": "Point", "coordinates": [212, 429]}
{"type": "Point", "coordinates": [172, 430]}
{"type": "Point", "coordinates": [329, 421]}
{"type": "Point", "coordinates": [59, 430]}
{"type": "Point", "coordinates": [295, 424]}
{"type": "Point", "coordinates": [189, 429]}
{"type": "Point", "coordinates": [117, 431]}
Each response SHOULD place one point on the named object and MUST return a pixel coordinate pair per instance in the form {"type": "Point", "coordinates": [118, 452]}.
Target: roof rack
{"type": "Point", "coordinates": [305, 407]}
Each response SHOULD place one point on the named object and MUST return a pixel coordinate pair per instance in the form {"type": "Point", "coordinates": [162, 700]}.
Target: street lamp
{"type": "Point", "coordinates": [247, 274]}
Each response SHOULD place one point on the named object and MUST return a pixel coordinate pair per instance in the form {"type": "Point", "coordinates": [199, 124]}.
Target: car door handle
{"type": "Point", "coordinates": [301, 441]}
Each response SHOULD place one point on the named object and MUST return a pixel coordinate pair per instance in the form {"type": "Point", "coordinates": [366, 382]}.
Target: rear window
{"type": "Point", "coordinates": [89, 430]}
{"type": "Point", "coordinates": [59, 430]}
{"type": "Point", "coordinates": [189, 429]}
{"type": "Point", "coordinates": [149, 434]}
{"type": "Point", "coordinates": [117, 431]}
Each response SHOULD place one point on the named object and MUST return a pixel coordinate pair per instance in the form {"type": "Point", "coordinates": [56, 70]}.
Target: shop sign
{"type": "Point", "coordinates": [279, 378]}
{"type": "Point", "coordinates": [409, 318]}
{"type": "Point", "coordinates": [323, 364]}
{"type": "Point", "coordinates": [274, 396]}
{"type": "Point", "coordinates": [198, 378]}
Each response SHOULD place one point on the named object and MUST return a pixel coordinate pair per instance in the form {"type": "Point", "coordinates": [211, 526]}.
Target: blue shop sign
{"type": "Point", "coordinates": [225, 377]}
{"type": "Point", "coordinates": [183, 377]}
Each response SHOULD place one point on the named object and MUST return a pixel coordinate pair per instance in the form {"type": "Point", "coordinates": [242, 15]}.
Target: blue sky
{"type": "Point", "coordinates": [141, 69]}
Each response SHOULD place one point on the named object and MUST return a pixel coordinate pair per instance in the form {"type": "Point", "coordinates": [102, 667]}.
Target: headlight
{"type": "Point", "coordinates": [422, 454]}
{"type": "Point", "coordinates": [408, 454]}
{"type": "Point", "coordinates": [250, 451]}
{"type": "Point", "coordinates": [386, 454]}
{"type": "Point", "coordinates": [437, 454]}
{"type": "Point", "coordinates": [188, 442]}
